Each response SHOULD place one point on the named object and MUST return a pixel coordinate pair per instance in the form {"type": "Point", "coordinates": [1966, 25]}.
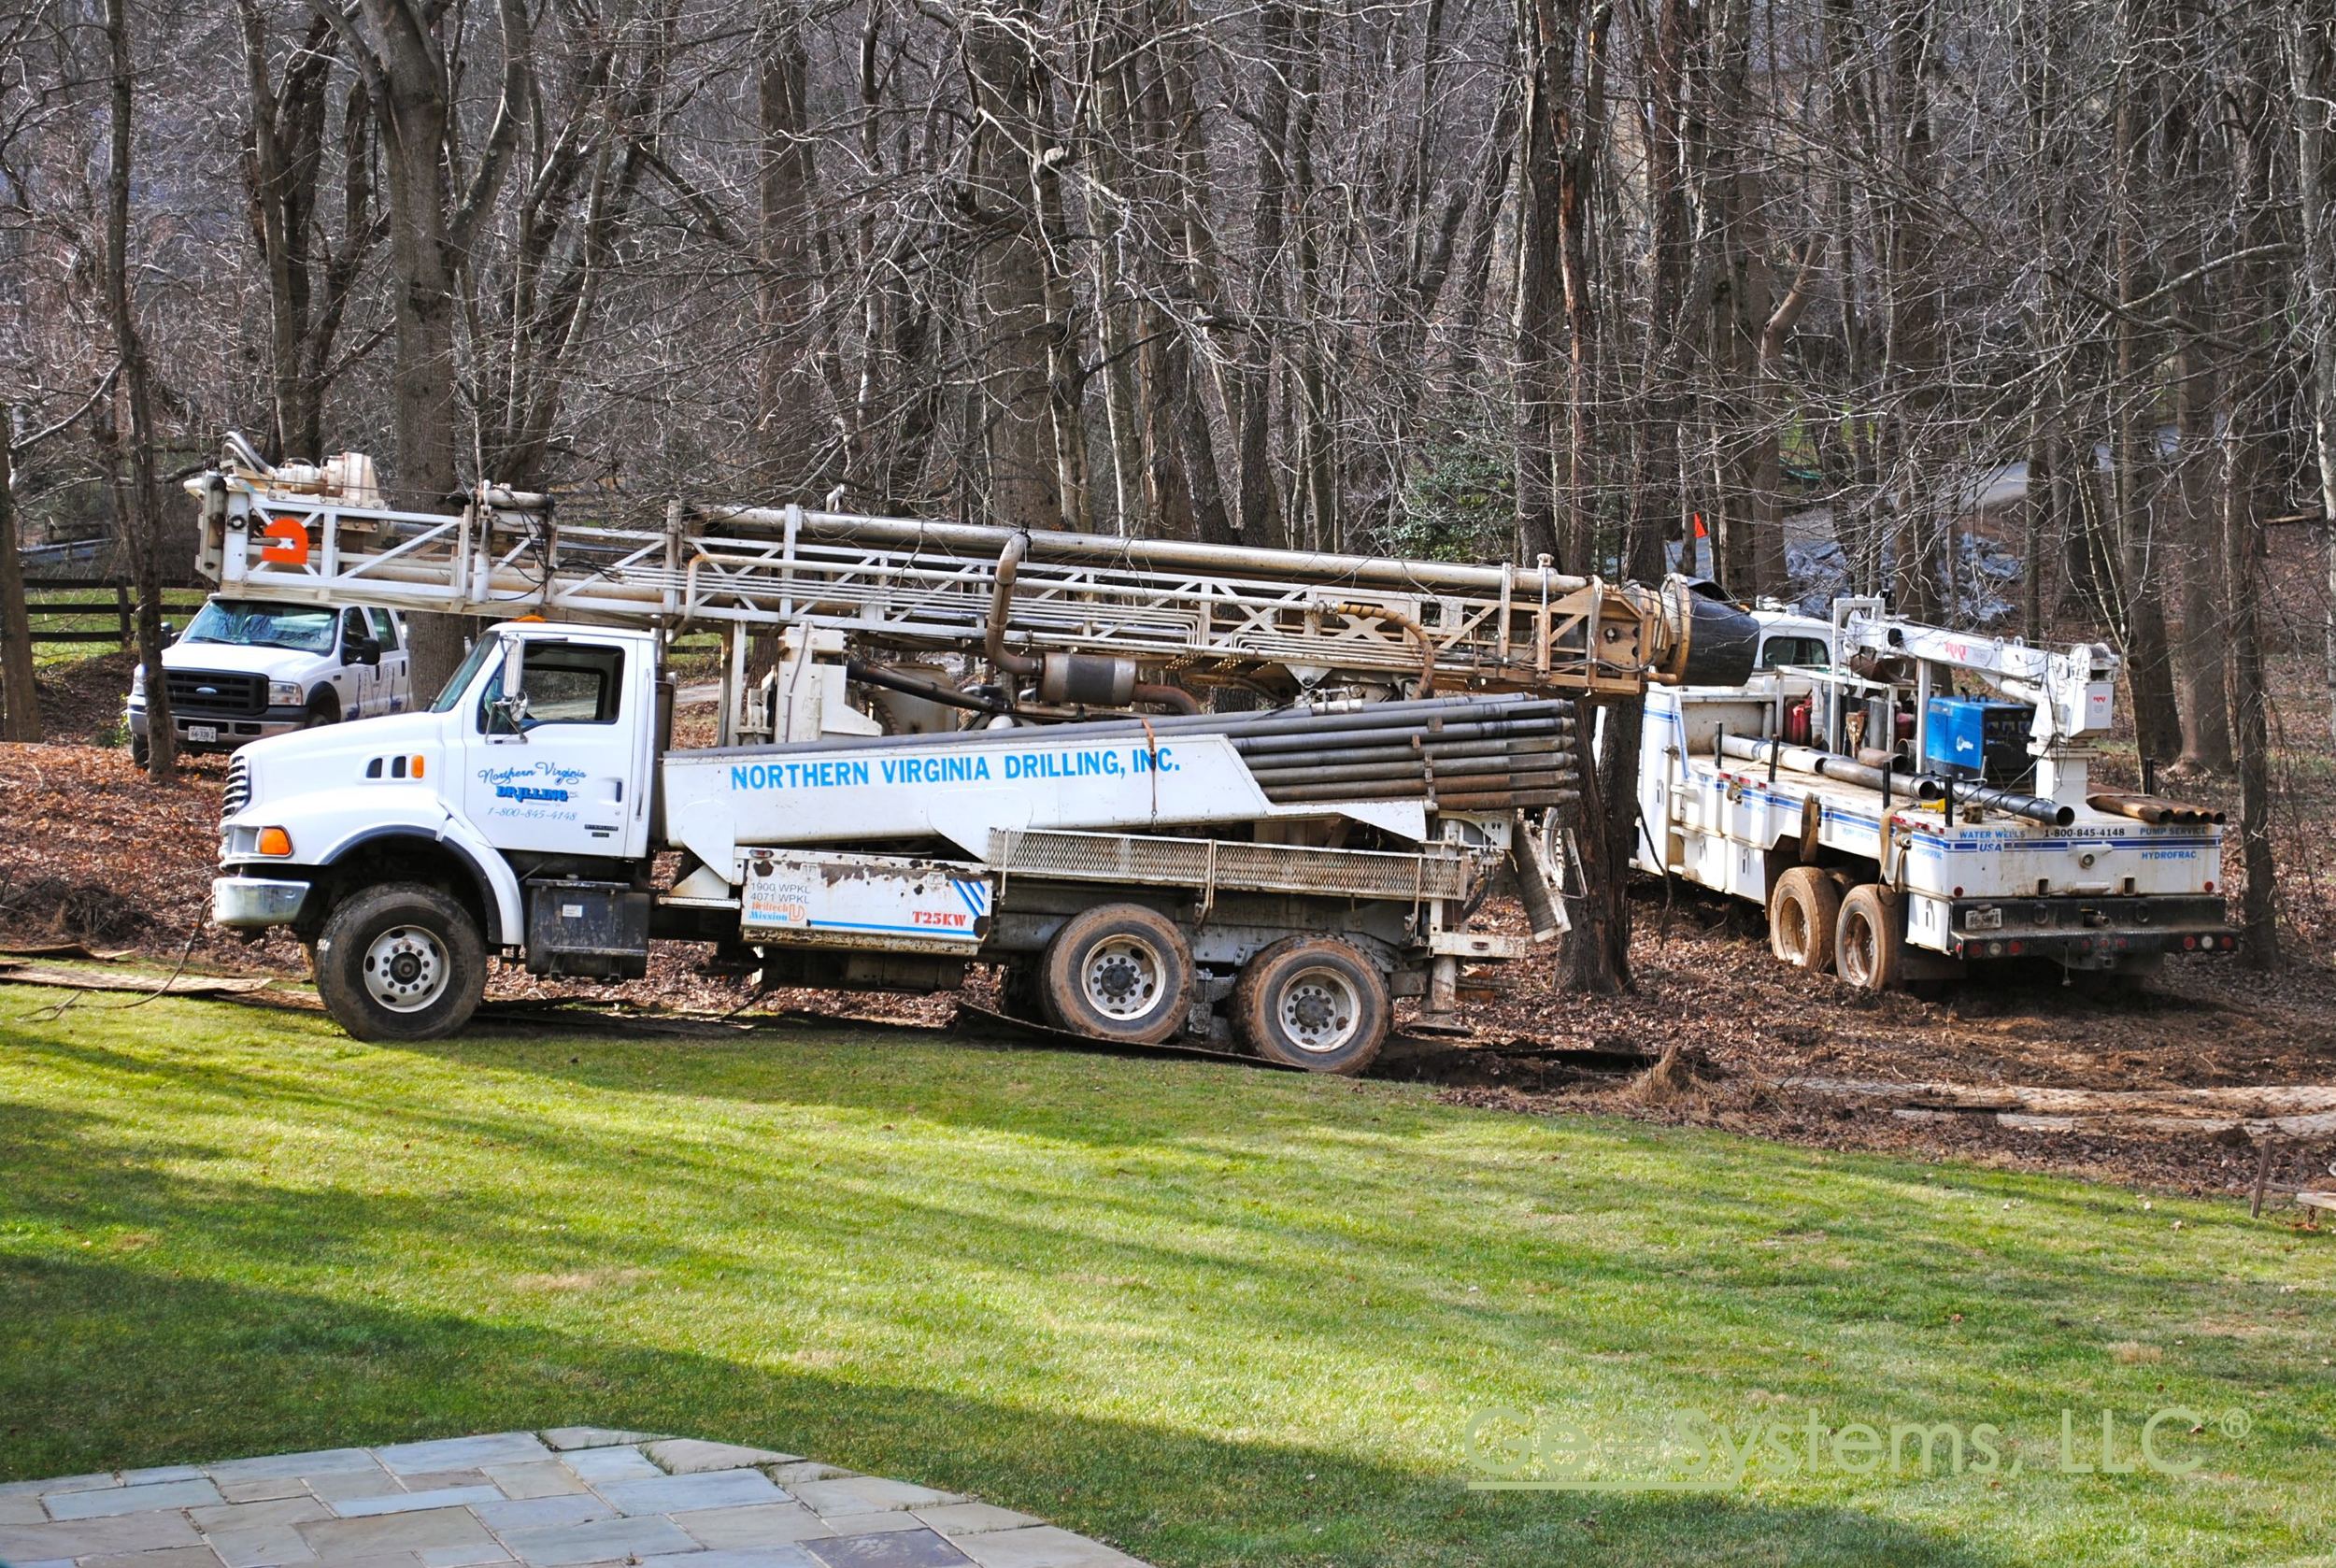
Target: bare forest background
{"type": "Point", "coordinates": [1807, 293]}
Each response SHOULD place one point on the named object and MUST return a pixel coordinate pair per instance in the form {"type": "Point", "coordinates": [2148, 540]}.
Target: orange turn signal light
{"type": "Point", "coordinates": [274, 841]}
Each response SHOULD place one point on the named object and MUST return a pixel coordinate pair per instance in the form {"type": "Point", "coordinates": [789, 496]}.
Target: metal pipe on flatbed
{"type": "Point", "coordinates": [1922, 787]}
{"type": "Point", "coordinates": [2036, 809]}
{"type": "Point", "coordinates": [2154, 809]}
{"type": "Point", "coordinates": [1825, 764]}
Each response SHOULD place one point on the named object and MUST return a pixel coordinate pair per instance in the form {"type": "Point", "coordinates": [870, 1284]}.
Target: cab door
{"type": "Point", "coordinates": [392, 682]}
{"type": "Point", "coordinates": [555, 773]}
{"type": "Point", "coordinates": [360, 696]}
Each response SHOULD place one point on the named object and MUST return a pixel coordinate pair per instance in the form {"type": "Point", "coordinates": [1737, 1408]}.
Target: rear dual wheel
{"type": "Point", "coordinates": [1118, 971]}
{"type": "Point", "coordinates": [1803, 910]}
{"type": "Point", "coordinates": [1311, 1001]}
{"type": "Point", "coordinates": [1870, 939]}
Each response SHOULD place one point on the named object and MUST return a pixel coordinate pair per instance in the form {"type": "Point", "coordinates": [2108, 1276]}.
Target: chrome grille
{"type": "Point", "coordinates": [1199, 862]}
{"type": "Point", "coordinates": [239, 791]}
{"type": "Point", "coordinates": [202, 692]}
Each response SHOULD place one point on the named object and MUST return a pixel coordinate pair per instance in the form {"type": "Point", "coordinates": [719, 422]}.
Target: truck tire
{"type": "Point", "coordinates": [400, 962]}
{"type": "Point", "coordinates": [1803, 908]}
{"type": "Point", "coordinates": [1311, 1001]}
{"type": "Point", "coordinates": [1870, 939]}
{"type": "Point", "coordinates": [324, 708]}
{"type": "Point", "coordinates": [1118, 971]}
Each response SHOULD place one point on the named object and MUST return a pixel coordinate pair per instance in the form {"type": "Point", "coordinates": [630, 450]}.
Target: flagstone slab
{"type": "Point", "coordinates": [569, 1497]}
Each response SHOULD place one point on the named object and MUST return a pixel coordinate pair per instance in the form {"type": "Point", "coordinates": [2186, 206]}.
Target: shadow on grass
{"type": "Point", "coordinates": [113, 1367]}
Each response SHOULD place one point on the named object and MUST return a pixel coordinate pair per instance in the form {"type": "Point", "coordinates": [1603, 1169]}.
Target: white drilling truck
{"type": "Point", "coordinates": [939, 744]}
{"type": "Point", "coordinates": [1898, 823]}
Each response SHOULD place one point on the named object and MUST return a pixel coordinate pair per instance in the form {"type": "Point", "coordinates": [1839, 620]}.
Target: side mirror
{"type": "Point", "coordinates": [361, 651]}
{"type": "Point", "coordinates": [507, 712]}
{"type": "Point", "coordinates": [170, 633]}
{"type": "Point", "coordinates": [507, 716]}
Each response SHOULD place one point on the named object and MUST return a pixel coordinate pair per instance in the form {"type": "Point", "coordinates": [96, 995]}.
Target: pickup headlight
{"type": "Point", "coordinates": [285, 693]}
{"type": "Point", "coordinates": [137, 680]}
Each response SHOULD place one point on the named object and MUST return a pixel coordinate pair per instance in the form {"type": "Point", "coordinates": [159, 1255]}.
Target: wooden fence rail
{"type": "Point", "coordinates": [78, 600]}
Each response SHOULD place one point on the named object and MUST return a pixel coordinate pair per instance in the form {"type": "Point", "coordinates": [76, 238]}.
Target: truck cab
{"type": "Point", "coordinates": [536, 760]}
{"type": "Point", "coordinates": [245, 669]}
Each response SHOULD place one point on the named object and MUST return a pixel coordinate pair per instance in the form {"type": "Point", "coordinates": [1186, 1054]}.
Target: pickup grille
{"type": "Point", "coordinates": [196, 692]}
{"type": "Point", "coordinates": [239, 791]}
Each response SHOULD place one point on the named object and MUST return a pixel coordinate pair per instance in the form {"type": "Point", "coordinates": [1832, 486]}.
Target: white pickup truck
{"type": "Point", "coordinates": [247, 668]}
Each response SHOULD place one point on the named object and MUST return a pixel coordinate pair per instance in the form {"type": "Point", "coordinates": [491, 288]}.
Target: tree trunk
{"type": "Point", "coordinates": [429, 235]}
{"type": "Point", "coordinates": [137, 492]}
{"type": "Point", "coordinates": [1262, 521]}
{"type": "Point", "coordinates": [2199, 652]}
{"type": "Point", "coordinates": [790, 422]}
{"type": "Point", "coordinates": [2312, 73]}
{"type": "Point", "coordinates": [2141, 572]}
{"type": "Point", "coordinates": [2249, 694]}
{"type": "Point", "coordinates": [1547, 31]}
{"type": "Point", "coordinates": [1017, 396]}
{"type": "Point", "coordinates": [20, 699]}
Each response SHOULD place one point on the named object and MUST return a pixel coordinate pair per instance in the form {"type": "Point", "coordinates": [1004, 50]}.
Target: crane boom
{"type": "Point", "coordinates": [1202, 614]}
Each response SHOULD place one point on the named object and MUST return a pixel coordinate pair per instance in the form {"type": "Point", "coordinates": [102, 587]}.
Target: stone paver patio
{"type": "Point", "coordinates": [574, 1497]}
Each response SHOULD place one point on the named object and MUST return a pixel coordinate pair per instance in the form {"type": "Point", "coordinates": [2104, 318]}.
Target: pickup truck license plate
{"type": "Point", "coordinates": [202, 731]}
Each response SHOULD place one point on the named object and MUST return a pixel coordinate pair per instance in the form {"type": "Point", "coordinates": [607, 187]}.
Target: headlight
{"type": "Point", "coordinates": [285, 693]}
{"type": "Point", "coordinates": [137, 680]}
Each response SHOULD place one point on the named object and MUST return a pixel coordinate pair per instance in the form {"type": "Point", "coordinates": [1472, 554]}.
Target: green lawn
{"type": "Point", "coordinates": [1216, 1316]}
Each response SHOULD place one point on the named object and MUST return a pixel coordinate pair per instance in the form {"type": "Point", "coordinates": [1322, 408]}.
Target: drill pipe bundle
{"type": "Point", "coordinates": [1464, 757]}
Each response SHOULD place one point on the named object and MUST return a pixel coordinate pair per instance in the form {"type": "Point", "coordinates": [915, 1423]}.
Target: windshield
{"type": "Point", "coordinates": [451, 697]}
{"type": "Point", "coordinates": [255, 623]}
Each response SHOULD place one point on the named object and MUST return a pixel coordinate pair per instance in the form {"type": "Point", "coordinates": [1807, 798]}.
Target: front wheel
{"type": "Point", "coordinates": [401, 962]}
{"type": "Point", "coordinates": [1311, 1001]}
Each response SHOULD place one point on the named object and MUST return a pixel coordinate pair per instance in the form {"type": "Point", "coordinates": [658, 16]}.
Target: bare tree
{"type": "Point", "coordinates": [19, 700]}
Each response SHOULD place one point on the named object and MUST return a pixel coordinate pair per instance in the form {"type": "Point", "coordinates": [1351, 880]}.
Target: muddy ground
{"type": "Point", "coordinates": [97, 853]}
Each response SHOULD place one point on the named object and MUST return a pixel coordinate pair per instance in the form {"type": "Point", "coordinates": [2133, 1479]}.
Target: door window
{"type": "Point", "coordinates": [385, 630]}
{"type": "Point", "coordinates": [566, 683]}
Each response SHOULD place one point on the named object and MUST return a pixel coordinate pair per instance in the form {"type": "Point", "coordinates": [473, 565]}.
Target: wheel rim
{"type": "Point", "coordinates": [1319, 1009]}
{"type": "Point", "coordinates": [1857, 956]}
{"type": "Point", "coordinates": [1792, 931]}
{"type": "Point", "coordinates": [1124, 978]}
{"type": "Point", "coordinates": [407, 969]}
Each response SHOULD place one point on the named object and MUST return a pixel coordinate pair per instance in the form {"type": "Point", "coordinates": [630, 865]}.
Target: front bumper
{"type": "Point", "coordinates": [228, 731]}
{"type": "Point", "coordinates": [2091, 933]}
{"type": "Point", "coordinates": [248, 903]}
